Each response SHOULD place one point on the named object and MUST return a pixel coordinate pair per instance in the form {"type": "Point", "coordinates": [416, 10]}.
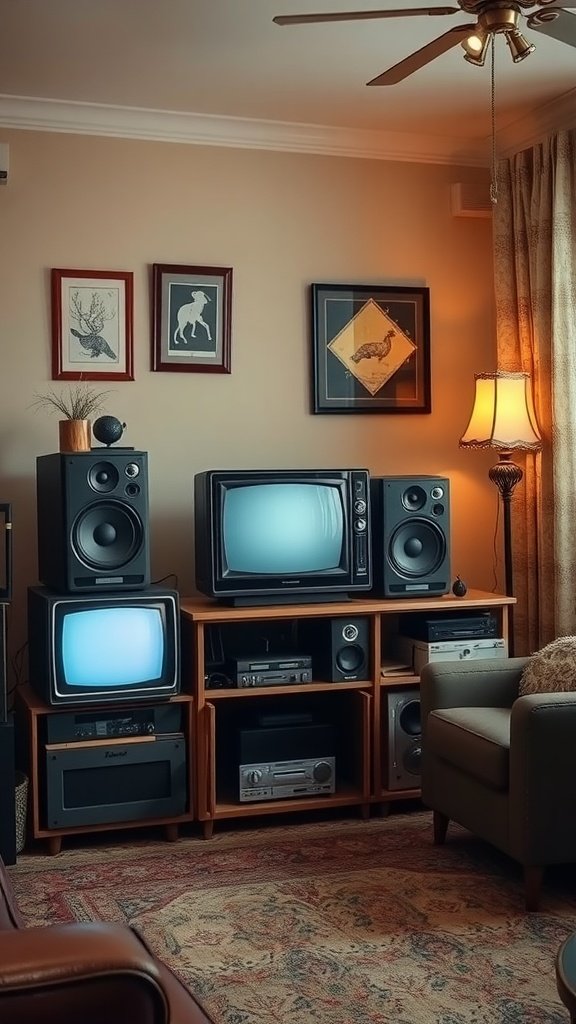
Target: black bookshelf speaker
{"type": "Point", "coordinates": [410, 535]}
{"type": "Point", "coordinates": [93, 531]}
{"type": "Point", "coordinates": [404, 739]}
{"type": "Point", "coordinates": [340, 647]}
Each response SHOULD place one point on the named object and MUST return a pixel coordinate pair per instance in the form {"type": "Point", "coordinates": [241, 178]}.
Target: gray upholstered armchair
{"type": "Point", "coordinates": [501, 765]}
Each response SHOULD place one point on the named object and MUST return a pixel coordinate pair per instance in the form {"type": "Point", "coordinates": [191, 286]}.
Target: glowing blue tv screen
{"type": "Point", "coordinates": [103, 647]}
{"type": "Point", "coordinates": [280, 528]}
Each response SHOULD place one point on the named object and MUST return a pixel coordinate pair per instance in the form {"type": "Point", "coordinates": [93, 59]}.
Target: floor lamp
{"type": "Point", "coordinates": [503, 418]}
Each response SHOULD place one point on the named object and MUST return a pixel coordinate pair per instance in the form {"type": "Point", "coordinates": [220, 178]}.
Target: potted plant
{"type": "Point", "coordinates": [77, 404]}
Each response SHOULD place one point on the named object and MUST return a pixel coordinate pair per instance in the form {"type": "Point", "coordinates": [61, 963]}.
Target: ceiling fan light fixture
{"type": "Point", "coordinates": [518, 45]}
{"type": "Point", "coordinates": [475, 48]}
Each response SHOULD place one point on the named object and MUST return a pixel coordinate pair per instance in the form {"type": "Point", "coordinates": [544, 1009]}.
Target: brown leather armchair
{"type": "Point", "coordinates": [501, 765]}
{"type": "Point", "coordinates": [92, 973]}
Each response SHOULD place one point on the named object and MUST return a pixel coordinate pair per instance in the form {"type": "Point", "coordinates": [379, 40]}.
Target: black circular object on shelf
{"type": "Point", "coordinates": [108, 429]}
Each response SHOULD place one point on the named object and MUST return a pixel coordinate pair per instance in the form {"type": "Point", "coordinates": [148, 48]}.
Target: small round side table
{"type": "Point", "coordinates": [566, 975]}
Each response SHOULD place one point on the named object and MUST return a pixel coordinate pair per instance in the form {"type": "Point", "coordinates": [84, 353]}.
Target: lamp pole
{"type": "Point", "coordinates": [506, 474]}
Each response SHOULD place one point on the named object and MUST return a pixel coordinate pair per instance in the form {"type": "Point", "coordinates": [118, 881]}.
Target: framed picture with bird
{"type": "Point", "coordinates": [191, 318]}
{"type": "Point", "coordinates": [92, 325]}
{"type": "Point", "coordinates": [370, 348]}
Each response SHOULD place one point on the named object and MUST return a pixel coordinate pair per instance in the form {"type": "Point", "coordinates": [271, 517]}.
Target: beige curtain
{"type": "Point", "coordinates": [535, 275]}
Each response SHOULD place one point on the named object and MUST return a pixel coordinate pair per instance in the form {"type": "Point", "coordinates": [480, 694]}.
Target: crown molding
{"type": "Point", "coordinates": [50, 115]}
{"type": "Point", "coordinates": [551, 117]}
{"type": "Point", "coordinates": [70, 116]}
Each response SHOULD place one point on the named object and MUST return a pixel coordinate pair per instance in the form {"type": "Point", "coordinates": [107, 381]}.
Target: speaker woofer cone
{"type": "Point", "coordinates": [107, 535]}
{"type": "Point", "coordinates": [417, 548]}
{"type": "Point", "coordinates": [350, 659]}
{"type": "Point", "coordinates": [103, 477]}
{"type": "Point", "coordinates": [414, 498]}
{"type": "Point", "coordinates": [410, 719]}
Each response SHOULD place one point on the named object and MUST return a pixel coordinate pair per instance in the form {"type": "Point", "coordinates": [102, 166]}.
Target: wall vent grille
{"type": "Point", "coordinates": [470, 200]}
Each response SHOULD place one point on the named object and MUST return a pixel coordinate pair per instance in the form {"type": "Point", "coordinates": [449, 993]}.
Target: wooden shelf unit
{"type": "Point", "coordinates": [30, 713]}
{"type": "Point", "coordinates": [367, 704]}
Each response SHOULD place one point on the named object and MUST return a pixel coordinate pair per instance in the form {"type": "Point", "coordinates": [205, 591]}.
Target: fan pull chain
{"type": "Point", "coordinates": [494, 181]}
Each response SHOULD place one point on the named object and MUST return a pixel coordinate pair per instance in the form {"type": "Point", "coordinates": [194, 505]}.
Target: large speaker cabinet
{"type": "Point", "coordinates": [404, 739]}
{"type": "Point", "coordinates": [93, 531]}
{"type": "Point", "coordinates": [410, 535]}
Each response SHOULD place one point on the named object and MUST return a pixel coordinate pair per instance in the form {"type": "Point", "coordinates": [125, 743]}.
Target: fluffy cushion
{"type": "Point", "coordinates": [551, 670]}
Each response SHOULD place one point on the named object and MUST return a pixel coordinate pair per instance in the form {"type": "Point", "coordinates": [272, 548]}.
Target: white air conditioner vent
{"type": "Point", "coordinates": [469, 200]}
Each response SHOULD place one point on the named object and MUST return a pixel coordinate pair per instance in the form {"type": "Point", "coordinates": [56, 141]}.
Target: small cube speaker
{"type": "Point", "coordinates": [340, 647]}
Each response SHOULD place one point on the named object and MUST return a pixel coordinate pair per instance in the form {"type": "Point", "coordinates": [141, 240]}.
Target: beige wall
{"type": "Point", "coordinates": [281, 221]}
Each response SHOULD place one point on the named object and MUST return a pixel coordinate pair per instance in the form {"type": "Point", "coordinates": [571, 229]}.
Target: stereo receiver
{"type": "Point", "coordinates": [273, 781]}
{"type": "Point", "coordinates": [99, 725]}
{"type": "Point", "coordinates": [270, 670]}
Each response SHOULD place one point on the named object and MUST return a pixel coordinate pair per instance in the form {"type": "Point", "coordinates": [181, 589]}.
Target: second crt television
{"type": "Point", "coordinates": [282, 536]}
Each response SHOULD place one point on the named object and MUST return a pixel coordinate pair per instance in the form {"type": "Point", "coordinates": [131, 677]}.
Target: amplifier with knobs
{"type": "Point", "coordinates": [286, 755]}
{"type": "Point", "coordinates": [287, 778]}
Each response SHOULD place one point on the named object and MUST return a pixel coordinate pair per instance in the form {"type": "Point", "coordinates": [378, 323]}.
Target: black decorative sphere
{"type": "Point", "coordinates": [108, 429]}
{"type": "Point", "coordinates": [459, 588]}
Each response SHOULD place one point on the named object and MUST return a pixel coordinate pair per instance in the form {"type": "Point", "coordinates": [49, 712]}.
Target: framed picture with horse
{"type": "Point", "coordinates": [191, 318]}
{"type": "Point", "coordinates": [92, 314]}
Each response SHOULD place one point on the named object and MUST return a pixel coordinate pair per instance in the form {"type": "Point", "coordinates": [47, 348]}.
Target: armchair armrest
{"type": "Point", "coordinates": [90, 972]}
{"type": "Point", "coordinates": [470, 684]}
{"type": "Point", "coordinates": [542, 774]}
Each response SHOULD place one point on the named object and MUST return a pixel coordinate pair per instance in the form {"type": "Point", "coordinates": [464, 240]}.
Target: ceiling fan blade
{"type": "Point", "coordinates": [561, 27]}
{"type": "Point", "coordinates": [423, 56]}
{"type": "Point", "coordinates": [303, 19]}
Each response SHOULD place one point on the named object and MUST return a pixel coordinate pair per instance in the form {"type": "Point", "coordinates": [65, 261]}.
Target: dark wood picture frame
{"type": "Point", "coordinates": [92, 324]}
{"type": "Point", "coordinates": [191, 318]}
{"type": "Point", "coordinates": [371, 348]}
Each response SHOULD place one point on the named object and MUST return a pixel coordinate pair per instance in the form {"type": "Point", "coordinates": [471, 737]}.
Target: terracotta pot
{"type": "Point", "coordinates": [74, 435]}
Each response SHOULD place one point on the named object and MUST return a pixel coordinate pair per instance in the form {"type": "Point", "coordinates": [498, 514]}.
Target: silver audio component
{"type": "Point", "coordinates": [278, 779]}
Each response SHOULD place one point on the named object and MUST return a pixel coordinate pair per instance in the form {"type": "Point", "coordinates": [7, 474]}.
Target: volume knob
{"type": "Point", "coordinates": [322, 771]}
{"type": "Point", "coordinates": [254, 776]}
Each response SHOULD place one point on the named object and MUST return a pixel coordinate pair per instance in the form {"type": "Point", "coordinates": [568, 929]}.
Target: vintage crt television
{"type": "Point", "coordinates": [282, 536]}
{"type": "Point", "coordinates": [122, 646]}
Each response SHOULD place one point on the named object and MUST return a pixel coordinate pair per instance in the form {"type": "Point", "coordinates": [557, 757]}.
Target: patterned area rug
{"type": "Point", "coordinates": [346, 922]}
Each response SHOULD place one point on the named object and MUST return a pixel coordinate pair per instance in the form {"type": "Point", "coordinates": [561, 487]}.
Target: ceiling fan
{"type": "Point", "coordinates": [492, 17]}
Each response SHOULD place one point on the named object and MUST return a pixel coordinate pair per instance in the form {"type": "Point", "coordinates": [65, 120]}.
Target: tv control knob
{"type": "Point", "coordinates": [360, 525]}
{"type": "Point", "coordinates": [254, 776]}
{"type": "Point", "coordinates": [322, 771]}
{"type": "Point", "coordinates": [360, 506]}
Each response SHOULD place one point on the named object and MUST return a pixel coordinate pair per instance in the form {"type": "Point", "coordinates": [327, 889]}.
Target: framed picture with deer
{"type": "Point", "coordinates": [191, 318]}
{"type": "Point", "coordinates": [92, 325]}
